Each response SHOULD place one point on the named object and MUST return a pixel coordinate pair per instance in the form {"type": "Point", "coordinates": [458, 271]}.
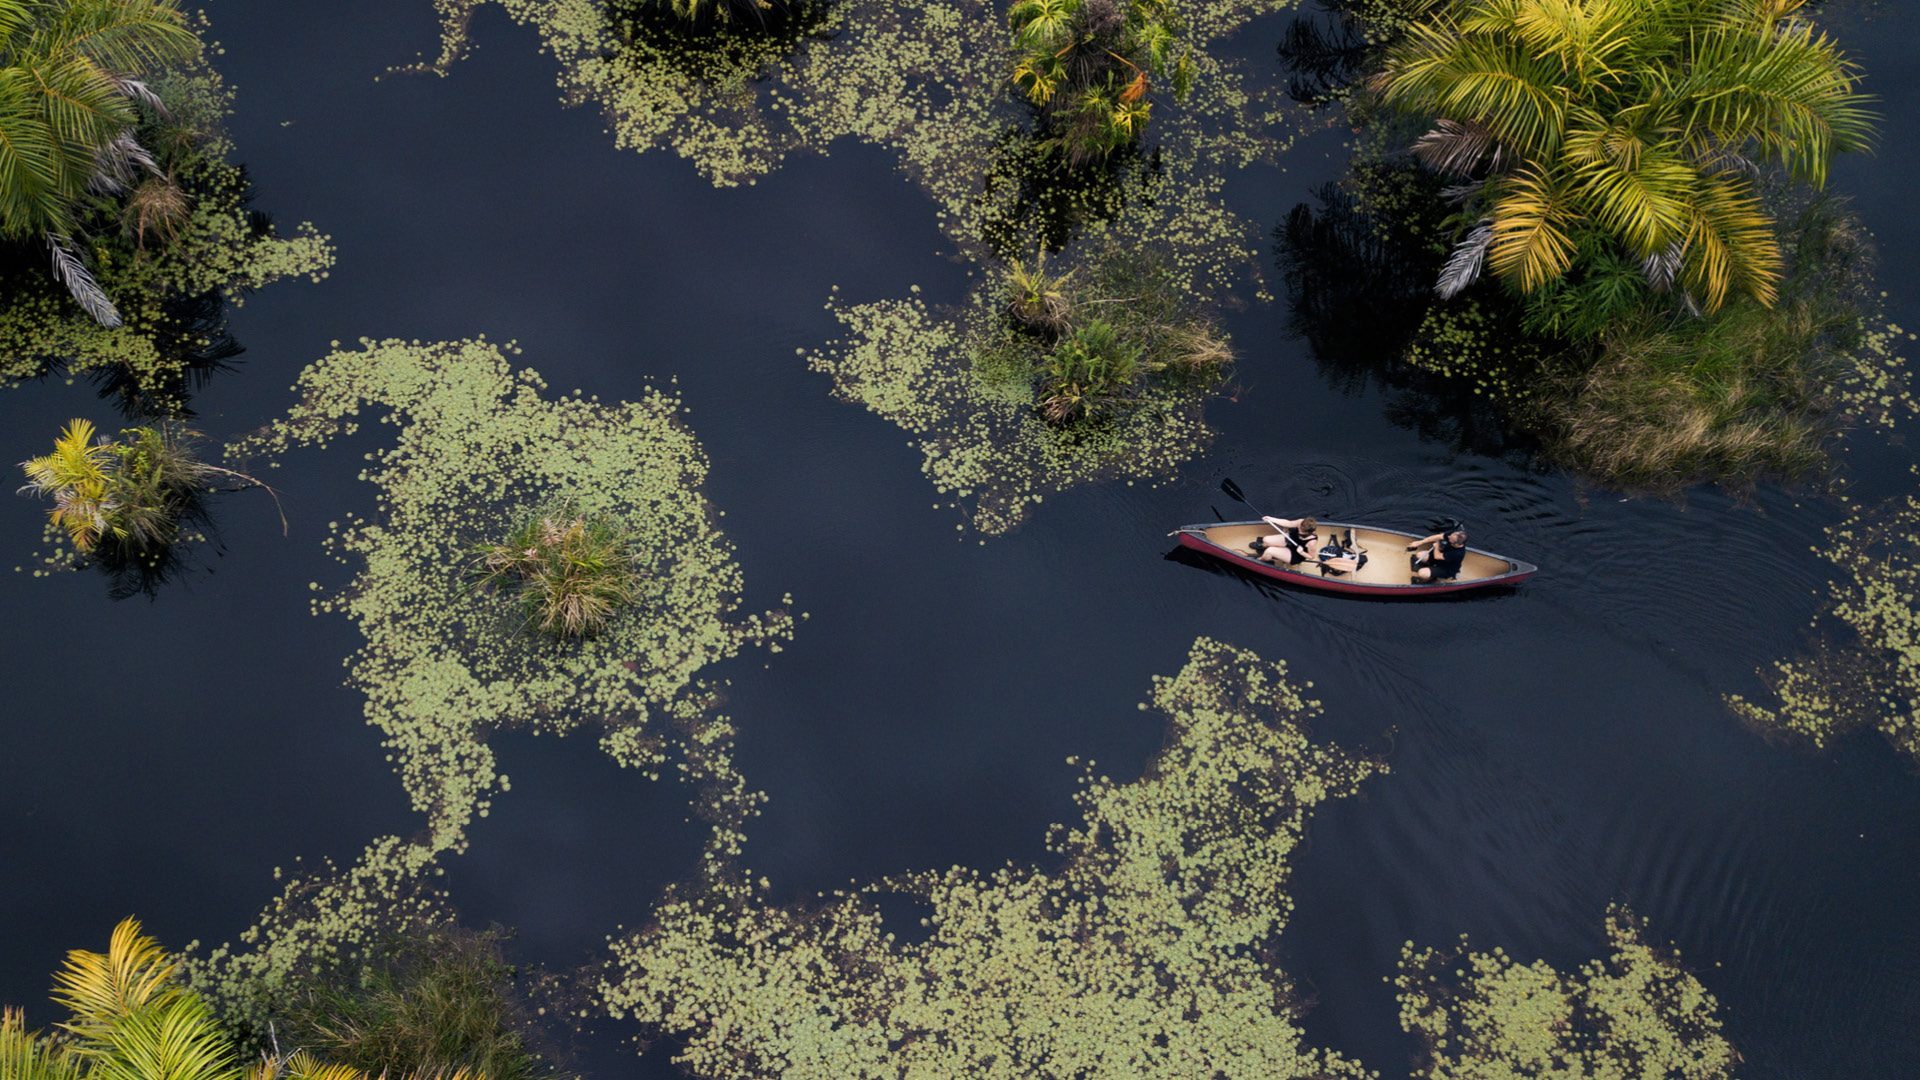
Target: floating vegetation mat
{"type": "Point", "coordinates": [1865, 672]}
{"type": "Point", "coordinates": [171, 282]}
{"type": "Point", "coordinates": [1146, 952]}
{"type": "Point", "coordinates": [981, 437]}
{"type": "Point", "coordinates": [932, 83]}
{"type": "Point", "coordinates": [1637, 1013]}
{"type": "Point", "coordinates": [1150, 950]}
{"type": "Point", "coordinates": [445, 665]}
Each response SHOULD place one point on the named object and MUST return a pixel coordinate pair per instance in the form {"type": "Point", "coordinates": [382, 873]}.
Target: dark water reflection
{"type": "Point", "coordinates": [1553, 750]}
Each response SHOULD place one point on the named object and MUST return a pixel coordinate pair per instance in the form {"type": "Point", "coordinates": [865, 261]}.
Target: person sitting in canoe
{"type": "Point", "coordinates": [1295, 540]}
{"type": "Point", "coordinates": [1438, 557]}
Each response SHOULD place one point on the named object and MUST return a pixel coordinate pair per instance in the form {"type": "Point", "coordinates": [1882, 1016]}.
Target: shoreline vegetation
{"type": "Point", "coordinates": [441, 1008]}
{"type": "Point", "coordinates": [1627, 254]}
{"type": "Point", "coordinates": [159, 239]}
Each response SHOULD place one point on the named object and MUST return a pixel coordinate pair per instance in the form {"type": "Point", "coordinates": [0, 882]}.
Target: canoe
{"type": "Point", "coordinates": [1385, 575]}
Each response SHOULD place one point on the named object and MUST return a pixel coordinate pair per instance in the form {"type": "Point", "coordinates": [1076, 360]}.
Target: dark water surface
{"type": "Point", "coordinates": [1553, 750]}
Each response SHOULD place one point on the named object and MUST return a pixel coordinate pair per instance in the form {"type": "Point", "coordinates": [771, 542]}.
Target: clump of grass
{"type": "Point", "coordinates": [439, 1003]}
{"type": "Point", "coordinates": [1740, 395]}
{"type": "Point", "coordinates": [571, 573]}
{"type": "Point", "coordinates": [1094, 343]}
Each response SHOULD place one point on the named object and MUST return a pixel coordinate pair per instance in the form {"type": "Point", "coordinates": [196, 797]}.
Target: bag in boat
{"type": "Point", "coordinates": [1337, 558]}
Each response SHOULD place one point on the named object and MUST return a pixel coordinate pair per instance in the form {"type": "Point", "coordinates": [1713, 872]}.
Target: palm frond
{"type": "Point", "coordinates": [1662, 268]}
{"type": "Point", "coordinates": [1456, 149]}
{"type": "Point", "coordinates": [1639, 196]}
{"type": "Point", "coordinates": [126, 37]}
{"type": "Point", "coordinates": [26, 1055]}
{"type": "Point", "coordinates": [1530, 243]}
{"type": "Point", "coordinates": [134, 974]}
{"type": "Point", "coordinates": [138, 90]}
{"type": "Point", "coordinates": [1789, 92]}
{"type": "Point", "coordinates": [1730, 245]}
{"type": "Point", "coordinates": [174, 1039]}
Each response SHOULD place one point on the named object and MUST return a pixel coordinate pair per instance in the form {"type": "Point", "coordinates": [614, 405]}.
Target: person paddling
{"type": "Point", "coordinates": [1438, 557]}
{"type": "Point", "coordinates": [1295, 540]}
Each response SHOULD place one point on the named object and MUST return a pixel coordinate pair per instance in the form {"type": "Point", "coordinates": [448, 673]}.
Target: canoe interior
{"type": "Point", "coordinates": [1386, 555]}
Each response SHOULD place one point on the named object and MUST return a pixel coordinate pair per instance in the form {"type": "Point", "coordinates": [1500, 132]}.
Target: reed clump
{"type": "Point", "coordinates": [569, 572]}
{"type": "Point", "coordinates": [435, 1005]}
{"type": "Point", "coordinates": [1095, 340]}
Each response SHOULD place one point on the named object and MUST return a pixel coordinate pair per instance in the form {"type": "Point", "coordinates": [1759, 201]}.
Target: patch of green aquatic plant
{"type": "Point", "coordinates": [1633, 1015]}
{"type": "Point", "coordinates": [1147, 951]}
{"type": "Point", "coordinates": [930, 83]}
{"type": "Point", "coordinates": [1864, 673]}
{"type": "Point", "coordinates": [477, 444]}
{"type": "Point", "coordinates": [974, 414]}
{"type": "Point", "coordinates": [171, 259]}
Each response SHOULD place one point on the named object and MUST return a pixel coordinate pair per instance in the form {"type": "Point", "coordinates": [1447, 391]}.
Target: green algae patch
{"type": "Point", "coordinates": [445, 665]}
{"type": "Point", "coordinates": [982, 439]}
{"type": "Point", "coordinates": [172, 285]}
{"type": "Point", "coordinates": [1635, 1014]}
{"type": "Point", "coordinates": [1863, 671]}
{"type": "Point", "coordinates": [1146, 952]}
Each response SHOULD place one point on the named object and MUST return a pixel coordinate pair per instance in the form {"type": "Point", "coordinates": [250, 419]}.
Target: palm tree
{"type": "Point", "coordinates": [69, 86]}
{"type": "Point", "coordinates": [1610, 129]}
{"type": "Point", "coordinates": [130, 1019]}
{"type": "Point", "coordinates": [1089, 65]}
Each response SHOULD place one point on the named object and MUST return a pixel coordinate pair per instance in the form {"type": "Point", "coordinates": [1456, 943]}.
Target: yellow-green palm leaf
{"type": "Point", "coordinates": [1530, 242]}
{"type": "Point", "coordinates": [1731, 244]}
{"type": "Point", "coordinates": [103, 989]}
{"type": "Point", "coordinates": [26, 1055]}
{"type": "Point", "coordinates": [75, 476]}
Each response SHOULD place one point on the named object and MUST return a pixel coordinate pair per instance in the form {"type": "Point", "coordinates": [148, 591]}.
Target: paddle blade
{"type": "Point", "coordinates": [1233, 490]}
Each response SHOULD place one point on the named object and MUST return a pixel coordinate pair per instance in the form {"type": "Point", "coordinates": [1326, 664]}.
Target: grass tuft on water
{"type": "Point", "coordinates": [570, 573]}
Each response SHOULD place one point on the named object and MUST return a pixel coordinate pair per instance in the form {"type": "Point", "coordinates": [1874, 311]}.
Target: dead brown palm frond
{"type": "Point", "coordinates": [1459, 149]}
